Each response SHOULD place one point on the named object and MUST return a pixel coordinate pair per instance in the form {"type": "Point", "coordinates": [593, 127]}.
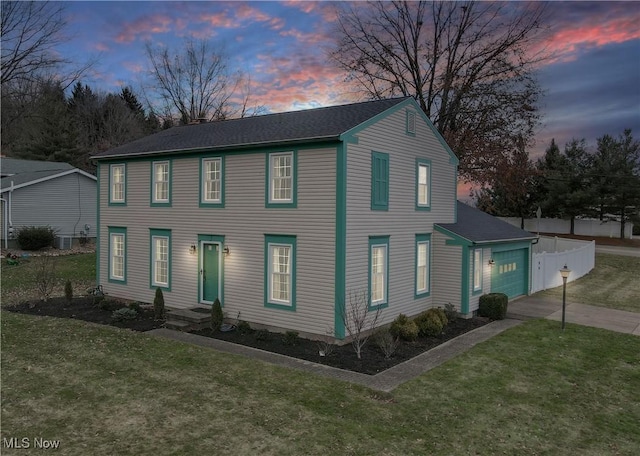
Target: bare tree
{"type": "Point", "coordinates": [359, 319]}
{"type": "Point", "coordinates": [469, 65]}
{"type": "Point", "coordinates": [44, 275]}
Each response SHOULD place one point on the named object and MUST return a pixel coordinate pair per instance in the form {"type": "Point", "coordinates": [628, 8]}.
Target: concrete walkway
{"type": "Point", "coordinates": [384, 381]}
{"type": "Point", "coordinates": [582, 314]}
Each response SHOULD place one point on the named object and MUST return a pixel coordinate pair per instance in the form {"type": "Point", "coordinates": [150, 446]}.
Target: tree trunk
{"type": "Point", "coordinates": [622, 223]}
{"type": "Point", "coordinates": [573, 225]}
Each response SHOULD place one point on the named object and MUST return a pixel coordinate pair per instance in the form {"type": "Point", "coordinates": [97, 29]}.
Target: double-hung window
{"type": "Point", "coordinates": [211, 182]}
{"type": "Point", "coordinates": [423, 262]}
{"type": "Point", "coordinates": [379, 181]}
{"type": "Point", "coordinates": [161, 183]}
{"type": "Point", "coordinates": [423, 184]}
{"type": "Point", "coordinates": [477, 270]}
{"type": "Point", "coordinates": [378, 271]}
{"type": "Point", "coordinates": [117, 186]}
{"type": "Point", "coordinates": [281, 179]}
{"type": "Point", "coordinates": [117, 252]}
{"type": "Point", "coordinates": [161, 258]}
{"type": "Point", "coordinates": [280, 271]}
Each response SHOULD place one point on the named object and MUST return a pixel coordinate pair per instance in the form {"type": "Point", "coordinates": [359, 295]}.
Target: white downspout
{"type": "Point", "coordinates": [5, 225]}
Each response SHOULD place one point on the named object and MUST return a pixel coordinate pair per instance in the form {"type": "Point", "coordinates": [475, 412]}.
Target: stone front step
{"type": "Point", "coordinates": [187, 320]}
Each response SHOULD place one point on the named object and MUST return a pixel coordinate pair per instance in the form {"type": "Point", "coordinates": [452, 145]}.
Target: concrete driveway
{"type": "Point", "coordinates": [599, 317]}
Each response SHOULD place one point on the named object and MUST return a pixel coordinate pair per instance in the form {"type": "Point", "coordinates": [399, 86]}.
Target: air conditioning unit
{"type": "Point", "coordinates": [64, 242]}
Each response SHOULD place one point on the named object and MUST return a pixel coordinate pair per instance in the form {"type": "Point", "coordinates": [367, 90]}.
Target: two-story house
{"type": "Point", "coordinates": [283, 217]}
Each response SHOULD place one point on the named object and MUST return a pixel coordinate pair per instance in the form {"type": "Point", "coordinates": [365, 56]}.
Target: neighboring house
{"type": "Point", "coordinates": [283, 217]}
{"type": "Point", "coordinates": [480, 254]}
{"type": "Point", "coordinates": [41, 193]}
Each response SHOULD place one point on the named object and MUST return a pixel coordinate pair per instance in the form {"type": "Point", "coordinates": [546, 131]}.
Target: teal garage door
{"type": "Point", "coordinates": [510, 272]}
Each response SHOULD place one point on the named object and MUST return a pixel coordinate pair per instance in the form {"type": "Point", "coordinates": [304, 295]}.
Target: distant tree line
{"type": "Point", "coordinates": [572, 183]}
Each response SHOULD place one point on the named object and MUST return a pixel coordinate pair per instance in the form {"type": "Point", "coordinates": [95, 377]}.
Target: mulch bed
{"type": "Point", "coordinates": [344, 357]}
{"type": "Point", "coordinates": [373, 360]}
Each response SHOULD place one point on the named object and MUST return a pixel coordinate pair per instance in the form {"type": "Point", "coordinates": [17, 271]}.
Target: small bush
{"type": "Point", "coordinates": [216, 315]}
{"type": "Point", "coordinates": [68, 290]}
{"type": "Point", "coordinates": [125, 313]}
{"type": "Point", "coordinates": [36, 237]}
{"type": "Point", "coordinates": [493, 306]}
{"type": "Point", "coordinates": [429, 323]}
{"type": "Point", "coordinates": [404, 328]}
{"type": "Point", "coordinates": [439, 313]}
{"type": "Point", "coordinates": [135, 306]}
{"type": "Point", "coordinates": [108, 304]}
{"type": "Point", "coordinates": [45, 277]}
{"type": "Point", "coordinates": [387, 342]}
{"type": "Point", "coordinates": [451, 312]}
{"type": "Point", "coordinates": [291, 338]}
{"type": "Point", "coordinates": [158, 305]}
{"type": "Point", "coordinates": [263, 335]}
{"type": "Point", "coordinates": [243, 327]}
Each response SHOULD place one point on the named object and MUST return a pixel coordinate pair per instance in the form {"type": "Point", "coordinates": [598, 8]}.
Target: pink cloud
{"type": "Point", "coordinates": [144, 26]}
{"type": "Point", "coordinates": [325, 9]}
{"type": "Point", "coordinates": [306, 38]}
{"type": "Point", "coordinates": [101, 47]}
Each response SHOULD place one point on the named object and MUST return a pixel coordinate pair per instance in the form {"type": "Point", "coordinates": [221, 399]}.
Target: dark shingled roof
{"type": "Point", "coordinates": [23, 171]}
{"type": "Point", "coordinates": [480, 227]}
{"type": "Point", "coordinates": [321, 124]}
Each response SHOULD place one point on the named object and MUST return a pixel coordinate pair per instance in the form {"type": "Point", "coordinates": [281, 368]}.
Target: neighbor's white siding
{"type": "Point", "coordinates": [65, 203]}
{"type": "Point", "coordinates": [243, 221]}
{"type": "Point", "coordinates": [447, 272]}
{"type": "Point", "coordinates": [402, 221]}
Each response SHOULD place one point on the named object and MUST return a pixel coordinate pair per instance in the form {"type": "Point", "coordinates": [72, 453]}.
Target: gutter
{"type": "Point", "coordinates": [290, 142]}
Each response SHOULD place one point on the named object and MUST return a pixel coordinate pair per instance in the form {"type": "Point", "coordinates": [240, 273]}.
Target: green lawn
{"type": "Point", "coordinates": [613, 283]}
{"type": "Point", "coordinates": [103, 391]}
{"type": "Point", "coordinates": [18, 282]}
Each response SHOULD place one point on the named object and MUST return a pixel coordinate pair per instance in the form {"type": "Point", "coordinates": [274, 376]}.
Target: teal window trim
{"type": "Point", "coordinates": [162, 202]}
{"type": "Point", "coordinates": [217, 239]}
{"type": "Point", "coordinates": [288, 203]}
{"type": "Point", "coordinates": [411, 123]}
{"type": "Point", "coordinates": [155, 233]}
{"type": "Point", "coordinates": [272, 241]}
{"type": "Point", "coordinates": [116, 231]}
{"type": "Point", "coordinates": [476, 260]}
{"type": "Point", "coordinates": [422, 239]}
{"type": "Point", "coordinates": [376, 242]}
{"type": "Point", "coordinates": [203, 201]}
{"type": "Point", "coordinates": [112, 201]}
{"type": "Point", "coordinates": [423, 205]}
{"type": "Point", "coordinates": [341, 241]}
{"type": "Point", "coordinates": [379, 181]}
{"type": "Point", "coordinates": [98, 230]}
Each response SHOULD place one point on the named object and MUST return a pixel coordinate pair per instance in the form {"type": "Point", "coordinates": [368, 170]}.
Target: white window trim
{"type": "Point", "coordinates": [271, 247]}
{"type": "Point", "coordinates": [112, 169]}
{"type": "Point", "coordinates": [154, 272]}
{"type": "Point", "coordinates": [477, 269]}
{"type": "Point", "coordinates": [427, 202]}
{"type": "Point", "coordinates": [205, 162]}
{"type": "Point", "coordinates": [272, 158]}
{"type": "Point", "coordinates": [383, 274]}
{"type": "Point", "coordinates": [156, 182]}
{"type": "Point", "coordinates": [426, 289]}
{"type": "Point", "coordinates": [113, 256]}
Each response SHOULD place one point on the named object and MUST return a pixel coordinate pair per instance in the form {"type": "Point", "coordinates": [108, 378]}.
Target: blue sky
{"type": "Point", "coordinates": [591, 88]}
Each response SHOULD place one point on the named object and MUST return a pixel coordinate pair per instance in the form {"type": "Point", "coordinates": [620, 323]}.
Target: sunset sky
{"type": "Point", "coordinates": [592, 87]}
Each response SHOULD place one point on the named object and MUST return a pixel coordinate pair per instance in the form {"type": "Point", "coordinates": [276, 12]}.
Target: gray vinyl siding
{"type": "Point", "coordinates": [446, 273]}
{"type": "Point", "coordinates": [243, 222]}
{"type": "Point", "coordinates": [65, 203]}
{"type": "Point", "coordinates": [401, 221]}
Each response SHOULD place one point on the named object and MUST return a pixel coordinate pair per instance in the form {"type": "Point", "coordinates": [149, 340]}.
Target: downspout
{"type": "Point", "coordinates": [10, 221]}
{"type": "Point", "coordinates": [5, 225]}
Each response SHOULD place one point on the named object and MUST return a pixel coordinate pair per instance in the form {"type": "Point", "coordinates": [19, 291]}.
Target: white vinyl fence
{"type": "Point", "coordinates": [582, 227]}
{"type": "Point", "coordinates": [550, 255]}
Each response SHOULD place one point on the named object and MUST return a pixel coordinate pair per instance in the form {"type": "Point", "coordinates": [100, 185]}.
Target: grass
{"type": "Point", "coordinates": [613, 283]}
{"type": "Point", "coordinates": [18, 282]}
{"type": "Point", "coordinates": [530, 390]}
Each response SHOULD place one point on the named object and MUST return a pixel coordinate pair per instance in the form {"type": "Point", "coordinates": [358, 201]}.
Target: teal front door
{"type": "Point", "coordinates": [210, 273]}
{"type": "Point", "coordinates": [510, 272]}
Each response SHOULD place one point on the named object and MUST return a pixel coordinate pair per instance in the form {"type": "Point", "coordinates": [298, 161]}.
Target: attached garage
{"type": "Point", "coordinates": [493, 257]}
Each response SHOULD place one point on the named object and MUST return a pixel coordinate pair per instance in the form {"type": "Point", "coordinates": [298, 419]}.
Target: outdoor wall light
{"type": "Point", "coordinates": [192, 249]}
{"type": "Point", "coordinates": [491, 262]}
{"type": "Point", "coordinates": [226, 250]}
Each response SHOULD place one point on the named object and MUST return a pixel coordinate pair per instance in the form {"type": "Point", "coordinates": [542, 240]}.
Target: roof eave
{"type": "Point", "coordinates": [291, 142]}
{"type": "Point", "coordinates": [498, 241]}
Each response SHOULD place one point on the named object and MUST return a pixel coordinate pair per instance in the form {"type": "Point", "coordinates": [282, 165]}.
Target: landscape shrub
{"type": "Point", "coordinates": [404, 328]}
{"type": "Point", "coordinates": [216, 315]}
{"type": "Point", "coordinates": [135, 306]}
{"type": "Point", "coordinates": [429, 323]}
{"type": "Point", "coordinates": [493, 306]}
{"type": "Point", "coordinates": [44, 276]}
{"type": "Point", "coordinates": [291, 338]}
{"type": "Point", "coordinates": [439, 312]}
{"type": "Point", "coordinates": [35, 237]}
{"type": "Point", "coordinates": [451, 312]}
{"type": "Point", "coordinates": [387, 342]}
{"type": "Point", "coordinates": [243, 327]}
{"type": "Point", "coordinates": [158, 305]}
{"type": "Point", "coordinates": [124, 313]}
{"type": "Point", "coordinates": [108, 304]}
{"type": "Point", "coordinates": [68, 290]}
{"type": "Point", "coordinates": [262, 335]}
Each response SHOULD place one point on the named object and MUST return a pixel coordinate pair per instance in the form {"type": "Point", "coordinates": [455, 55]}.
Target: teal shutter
{"type": "Point", "coordinates": [379, 181]}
